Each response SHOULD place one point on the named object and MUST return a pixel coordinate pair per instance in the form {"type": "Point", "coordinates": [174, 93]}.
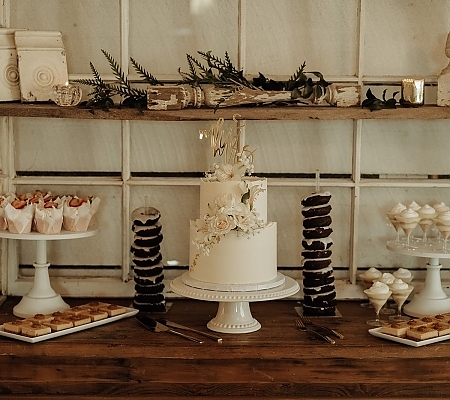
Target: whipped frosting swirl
{"type": "Point", "coordinates": [378, 288]}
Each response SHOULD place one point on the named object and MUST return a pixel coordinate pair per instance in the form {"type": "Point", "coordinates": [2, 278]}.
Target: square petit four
{"type": "Point", "coordinates": [36, 329]}
{"type": "Point", "coordinates": [422, 333]}
{"type": "Point", "coordinates": [428, 320]}
{"type": "Point", "coordinates": [57, 324]}
{"type": "Point", "coordinates": [40, 318]}
{"type": "Point", "coordinates": [76, 310]}
{"type": "Point", "coordinates": [59, 314]}
{"type": "Point", "coordinates": [396, 329]}
{"type": "Point", "coordinates": [78, 319]}
{"type": "Point", "coordinates": [95, 305]}
{"type": "Point", "coordinates": [441, 318]}
{"type": "Point", "coordinates": [16, 326]}
{"type": "Point", "coordinates": [444, 318]}
{"type": "Point", "coordinates": [443, 329]}
{"type": "Point", "coordinates": [95, 315]}
{"type": "Point", "coordinates": [113, 310]}
{"type": "Point", "coordinates": [415, 323]}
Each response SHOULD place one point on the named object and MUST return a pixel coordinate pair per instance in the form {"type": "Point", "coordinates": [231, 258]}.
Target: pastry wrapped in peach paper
{"type": "Point", "coordinates": [48, 216]}
{"type": "Point", "coordinates": [78, 213]}
{"type": "Point", "coordinates": [4, 200]}
{"type": "Point", "coordinates": [19, 215]}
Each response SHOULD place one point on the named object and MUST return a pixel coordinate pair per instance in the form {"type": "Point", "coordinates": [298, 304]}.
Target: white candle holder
{"type": "Point", "coordinates": [412, 92]}
{"type": "Point", "coordinates": [67, 95]}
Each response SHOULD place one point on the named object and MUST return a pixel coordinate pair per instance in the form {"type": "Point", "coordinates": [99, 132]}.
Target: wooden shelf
{"type": "Point", "coordinates": [41, 110]}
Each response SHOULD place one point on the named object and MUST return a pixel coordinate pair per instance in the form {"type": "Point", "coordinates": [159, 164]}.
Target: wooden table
{"type": "Point", "coordinates": [124, 361]}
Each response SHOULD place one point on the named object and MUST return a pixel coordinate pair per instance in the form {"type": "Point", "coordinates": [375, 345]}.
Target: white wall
{"type": "Point", "coordinates": [357, 41]}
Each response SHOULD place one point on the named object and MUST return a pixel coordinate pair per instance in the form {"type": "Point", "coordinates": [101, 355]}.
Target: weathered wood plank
{"type": "Point", "coordinates": [123, 360]}
{"type": "Point", "coordinates": [209, 114]}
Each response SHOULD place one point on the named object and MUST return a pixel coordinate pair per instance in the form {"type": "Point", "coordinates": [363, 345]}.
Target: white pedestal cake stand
{"type": "Point", "coordinates": [42, 299]}
{"type": "Point", "coordinates": [432, 299]}
{"type": "Point", "coordinates": [233, 314]}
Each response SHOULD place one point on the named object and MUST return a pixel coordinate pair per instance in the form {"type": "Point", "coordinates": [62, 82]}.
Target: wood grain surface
{"type": "Point", "coordinates": [123, 360]}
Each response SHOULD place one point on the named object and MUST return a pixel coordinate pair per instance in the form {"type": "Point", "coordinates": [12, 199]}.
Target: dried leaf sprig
{"type": "Point", "coordinates": [373, 103]}
{"type": "Point", "coordinates": [216, 71]}
{"type": "Point", "coordinates": [104, 92]}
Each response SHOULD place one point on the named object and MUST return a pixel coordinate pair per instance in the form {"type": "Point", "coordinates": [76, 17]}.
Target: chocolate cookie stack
{"type": "Point", "coordinates": [319, 292]}
{"type": "Point", "coordinates": [147, 260]}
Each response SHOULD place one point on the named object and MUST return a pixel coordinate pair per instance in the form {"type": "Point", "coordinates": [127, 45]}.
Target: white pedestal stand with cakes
{"type": "Point", "coordinates": [234, 314]}
{"type": "Point", "coordinates": [432, 299]}
{"type": "Point", "coordinates": [42, 299]}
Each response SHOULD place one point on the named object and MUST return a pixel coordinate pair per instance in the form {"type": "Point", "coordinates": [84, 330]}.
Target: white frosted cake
{"type": "Point", "coordinates": [232, 246]}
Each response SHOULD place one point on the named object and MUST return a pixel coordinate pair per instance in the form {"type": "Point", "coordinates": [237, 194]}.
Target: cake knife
{"type": "Point", "coordinates": [155, 326]}
{"type": "Point", "coordinates": [186, 328]}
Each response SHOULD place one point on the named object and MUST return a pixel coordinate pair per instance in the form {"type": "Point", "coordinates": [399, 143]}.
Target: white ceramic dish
{"type": "Point", "coordinates": [376, 332]}
{"type": "Point", "coordinates": [129, 313]}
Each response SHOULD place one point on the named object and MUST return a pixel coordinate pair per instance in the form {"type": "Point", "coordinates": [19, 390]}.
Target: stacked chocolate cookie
{"type": "Point", "coordinates": [319, 292]}
{"type": "Point", "coordinates": [147, 260]}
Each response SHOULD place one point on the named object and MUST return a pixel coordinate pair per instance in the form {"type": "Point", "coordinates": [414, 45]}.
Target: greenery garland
{"type": "Point", "coordinates": [217, 71]}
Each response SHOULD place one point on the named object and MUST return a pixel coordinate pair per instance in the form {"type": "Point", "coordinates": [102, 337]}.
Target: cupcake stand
{"type": "Point", "coordinates": [42, 298]}
{"type": "Point", "coordinates": [432, 299]}
{"type": "Point", "coordinates": [234, 314]}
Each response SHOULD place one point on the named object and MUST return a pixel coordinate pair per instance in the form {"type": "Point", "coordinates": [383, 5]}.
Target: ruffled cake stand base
{"type": "Point", "coordinates": [432, 299]}
{"type": "Point", "coordinates": [234, 314]}
{"type": "Point", "coordinates": [42, 299]}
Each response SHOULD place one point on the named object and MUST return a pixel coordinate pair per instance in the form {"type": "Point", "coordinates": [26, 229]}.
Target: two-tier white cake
{"type": "Point", "coordinates": [232, 245]}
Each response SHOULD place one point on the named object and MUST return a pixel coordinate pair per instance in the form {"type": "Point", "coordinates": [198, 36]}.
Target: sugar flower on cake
{"type": "Point", "coordinates": [231, 172]}
{"type": "Point", "coordinates": [230, 213]}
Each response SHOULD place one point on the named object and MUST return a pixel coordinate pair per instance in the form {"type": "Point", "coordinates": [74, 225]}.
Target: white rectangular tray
{"type": "Point", "coordinates": [129, 313]}
{"type": "Point", "coordinates": [376, 332]}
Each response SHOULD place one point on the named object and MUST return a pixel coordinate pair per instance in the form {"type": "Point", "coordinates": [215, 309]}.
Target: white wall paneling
{"type": "Point", "coordinates": [367, 165]}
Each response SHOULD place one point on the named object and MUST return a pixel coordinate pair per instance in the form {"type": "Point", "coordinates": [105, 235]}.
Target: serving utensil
{"type": "Point", "coordinates": [186, 328]}
{"type": "Point", "coordinates": [155, 326]}
{"type": "Point", "coordinates": [307, 321]}
{"type": "Point", "coordinates": [302, 327]}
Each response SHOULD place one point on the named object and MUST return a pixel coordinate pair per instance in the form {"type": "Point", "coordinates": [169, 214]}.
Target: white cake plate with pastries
{"type": "Point", "coordinates": [42, 299]}
{"type": "Point", "coordinates": [234, 314]}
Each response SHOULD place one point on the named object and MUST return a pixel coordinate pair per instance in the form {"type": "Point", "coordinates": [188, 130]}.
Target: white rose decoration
{"type": "Point", "coordinates": [221, 224]}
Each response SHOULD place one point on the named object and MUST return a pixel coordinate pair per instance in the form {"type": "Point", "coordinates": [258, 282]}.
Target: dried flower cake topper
{"type": "Point", "coordinates": [230, 212]}
{"type": "Point", "coordinates": [236, 161]}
